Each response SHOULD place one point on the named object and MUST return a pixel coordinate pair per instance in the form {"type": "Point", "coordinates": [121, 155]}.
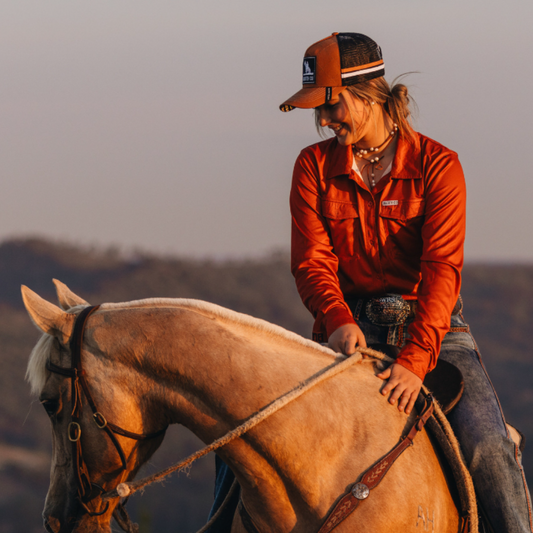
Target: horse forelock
{"type": "Point", "coordinates": [36, 373]}
{"type": "Point", "coordinates": [224, 314]}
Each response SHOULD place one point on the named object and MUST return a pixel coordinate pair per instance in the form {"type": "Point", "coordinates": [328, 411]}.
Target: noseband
{"type": "Point", "coordinates": [87, 490]}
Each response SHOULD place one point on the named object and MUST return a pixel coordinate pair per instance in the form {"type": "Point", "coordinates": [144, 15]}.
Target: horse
{"type": "Point", "coordinates": [154, 362]}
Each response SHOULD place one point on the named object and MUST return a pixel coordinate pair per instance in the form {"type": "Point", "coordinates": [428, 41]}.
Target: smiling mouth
{"type": "Point", "coordinates": [335, 129]}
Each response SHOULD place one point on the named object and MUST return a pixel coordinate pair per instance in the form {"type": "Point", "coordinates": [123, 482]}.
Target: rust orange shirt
{"type": "Point", "coordinates": [403, 237]}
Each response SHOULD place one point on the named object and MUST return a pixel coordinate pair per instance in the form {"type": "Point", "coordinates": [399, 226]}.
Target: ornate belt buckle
{"type": "Point", "coordinates": [390, 310]}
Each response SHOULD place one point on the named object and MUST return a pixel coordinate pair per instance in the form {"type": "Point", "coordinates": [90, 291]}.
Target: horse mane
{"type": "Point", "coordinates": [37, 374]}
{"type": "Point", "coordinates": [216, 311]}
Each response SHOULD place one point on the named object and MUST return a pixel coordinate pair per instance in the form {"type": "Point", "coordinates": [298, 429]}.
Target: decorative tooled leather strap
{"type": "Point", "coordinates": [373, 476]}
{"type": "Point", "coordinates": [370, 480]}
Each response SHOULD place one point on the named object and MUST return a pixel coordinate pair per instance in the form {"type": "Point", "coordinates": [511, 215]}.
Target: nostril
{"type": "Point", "coordinates": [48, 526]}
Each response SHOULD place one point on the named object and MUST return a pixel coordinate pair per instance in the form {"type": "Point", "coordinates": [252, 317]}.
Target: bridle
{"type": "Point", "coordinates": [87, 490]}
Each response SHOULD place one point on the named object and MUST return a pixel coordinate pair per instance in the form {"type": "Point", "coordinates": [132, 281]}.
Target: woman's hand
{"type": "Point", "coordinates": [346, 338]}
{"type": "Point", "coordinates": [405, 385]}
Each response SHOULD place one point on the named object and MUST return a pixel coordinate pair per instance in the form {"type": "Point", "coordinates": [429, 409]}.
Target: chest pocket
{"type": "Point", "coordinates": [343, 224]}
{"type": "Point", "coordinates": [404, 210]}
{"type": "Point", "coordinates": [339, 210]}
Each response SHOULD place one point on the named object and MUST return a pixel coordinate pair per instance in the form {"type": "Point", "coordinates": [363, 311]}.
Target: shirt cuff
{"type": "Point", "coordinates": [415, 360]}
{"type": "Point", "coordinates": [336, 317]}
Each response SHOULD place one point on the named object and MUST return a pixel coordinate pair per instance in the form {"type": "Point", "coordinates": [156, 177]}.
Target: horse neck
{"type": "Point", "coordinates": [210, 375]}
{"type": "Point", "coordinates": [194, 366]}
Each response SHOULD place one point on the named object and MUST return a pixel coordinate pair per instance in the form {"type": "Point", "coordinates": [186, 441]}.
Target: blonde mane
{"type": "Point", "coordinates": [37, 374]}
{"type": "Point", "coordinates": [216, 311]}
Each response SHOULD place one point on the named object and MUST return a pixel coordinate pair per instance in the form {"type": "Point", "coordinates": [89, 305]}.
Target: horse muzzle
{"type": "Point", "coordinates": [47, 524]}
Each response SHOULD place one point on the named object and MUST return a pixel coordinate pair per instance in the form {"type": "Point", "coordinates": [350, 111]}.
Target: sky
{"type": "Point", "coordinates": [154, 125]}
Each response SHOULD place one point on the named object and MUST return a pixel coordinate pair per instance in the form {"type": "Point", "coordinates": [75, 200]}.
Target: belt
{"type": "Point", "coordinates": [390, 309]}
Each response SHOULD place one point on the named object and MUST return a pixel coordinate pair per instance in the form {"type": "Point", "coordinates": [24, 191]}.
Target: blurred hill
{"type": "Point", "coordinates": [498, 306]}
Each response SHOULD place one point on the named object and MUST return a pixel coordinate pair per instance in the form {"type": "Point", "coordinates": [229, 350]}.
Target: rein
{"type": "Point", "coordinates": [87, 490]}
{"type": "Point", "coordinates": [126, 489]}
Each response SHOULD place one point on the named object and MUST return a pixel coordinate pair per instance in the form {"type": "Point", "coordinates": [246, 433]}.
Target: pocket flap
{"type": "Point", "coordinates": [339, 210]}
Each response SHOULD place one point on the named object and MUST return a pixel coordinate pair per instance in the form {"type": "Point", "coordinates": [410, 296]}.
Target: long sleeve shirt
{"type": "Point", "coordinates": [405, 236]}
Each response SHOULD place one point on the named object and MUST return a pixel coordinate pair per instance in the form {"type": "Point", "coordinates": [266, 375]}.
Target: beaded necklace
{"type": "Point", "coordinates": [374, 158]}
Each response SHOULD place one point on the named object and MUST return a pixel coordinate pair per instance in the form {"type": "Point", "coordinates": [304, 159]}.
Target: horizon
{"type": "Point", "coordinates": [156, 126]}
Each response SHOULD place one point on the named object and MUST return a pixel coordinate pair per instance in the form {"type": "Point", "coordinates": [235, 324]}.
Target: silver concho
{"type": "Point", "coordinates": [360, 491]}
{"type": "Point", "coordinates": [391, 310]}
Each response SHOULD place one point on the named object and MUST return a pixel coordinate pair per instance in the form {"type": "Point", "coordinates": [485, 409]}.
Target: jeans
{"type": "Point", "coordinates": [493, 459]}
{"type": "Point", "coordinates": [478, 422]}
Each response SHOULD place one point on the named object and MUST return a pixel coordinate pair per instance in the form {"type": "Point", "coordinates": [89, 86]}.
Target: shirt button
{"type": "Point", "coordinates": [370, 204]}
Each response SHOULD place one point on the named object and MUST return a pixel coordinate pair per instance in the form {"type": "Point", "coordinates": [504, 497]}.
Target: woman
{"type": "Point", "coordinates": [378, 225]}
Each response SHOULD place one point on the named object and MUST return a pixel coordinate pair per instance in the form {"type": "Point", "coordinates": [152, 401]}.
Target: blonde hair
{"type": "Point", "coordinates": [395, 101]}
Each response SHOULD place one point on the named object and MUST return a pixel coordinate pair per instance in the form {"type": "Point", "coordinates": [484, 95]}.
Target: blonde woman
{"type": "Point", "coordinates": [378, 225]}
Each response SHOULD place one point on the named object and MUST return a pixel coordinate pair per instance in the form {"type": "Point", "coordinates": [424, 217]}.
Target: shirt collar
{"type": "Point", "coordinates": [407, 162]}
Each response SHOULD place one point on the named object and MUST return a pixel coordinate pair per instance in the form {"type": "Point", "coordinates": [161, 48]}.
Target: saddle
{"type": "Point", "coordinates": [445, 381]}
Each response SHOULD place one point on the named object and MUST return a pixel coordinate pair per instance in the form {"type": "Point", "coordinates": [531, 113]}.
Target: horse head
{"type": "Point", "coordinates": [98, 437]}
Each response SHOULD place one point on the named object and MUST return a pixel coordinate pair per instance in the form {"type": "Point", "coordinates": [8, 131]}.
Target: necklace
{"type": "Point", "coordinates": [374, 158]}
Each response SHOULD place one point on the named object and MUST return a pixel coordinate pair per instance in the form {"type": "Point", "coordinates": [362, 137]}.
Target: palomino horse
{"type": "Point", "coordinates": [156, 362]}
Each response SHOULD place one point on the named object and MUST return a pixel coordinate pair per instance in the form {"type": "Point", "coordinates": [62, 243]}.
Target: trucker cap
{"type": "Point", "coordinates": [334, 63]}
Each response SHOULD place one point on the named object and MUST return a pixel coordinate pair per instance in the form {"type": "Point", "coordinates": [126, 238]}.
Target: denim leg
{"type": "Point", "coordinates": [491, 456]}
{"type": "Point", "coordinates": [223, 480]}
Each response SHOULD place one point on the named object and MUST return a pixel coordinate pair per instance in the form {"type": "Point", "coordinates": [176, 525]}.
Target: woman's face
{"type": "Point", "coordinates": [345, 117]}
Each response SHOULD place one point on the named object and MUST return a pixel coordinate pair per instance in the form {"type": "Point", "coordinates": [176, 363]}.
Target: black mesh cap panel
{"type": "Point", "coordinates": [357, 50]}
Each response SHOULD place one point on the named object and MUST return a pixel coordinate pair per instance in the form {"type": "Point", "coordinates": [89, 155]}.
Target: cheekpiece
{"type": "Point", "coordinates": [360, 491]}
{"type": "Point", "coordinates": [390, 310]}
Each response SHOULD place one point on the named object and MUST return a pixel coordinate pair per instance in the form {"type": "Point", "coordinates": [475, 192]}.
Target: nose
{"type": "Point", "coordinates": [47, 525]}
{"type": "Point", "coordinates": [323, 117]}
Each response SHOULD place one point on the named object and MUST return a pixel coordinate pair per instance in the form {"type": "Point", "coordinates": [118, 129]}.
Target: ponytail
{"type": "Point", "coordinates": [395, 100]}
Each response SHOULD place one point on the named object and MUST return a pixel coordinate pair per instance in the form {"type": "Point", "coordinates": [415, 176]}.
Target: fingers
{"type": "Point", "coordinates": [346, 338]}
{"type": "Point", "coordinates": [391, 385]}
{"type": "Point", "coordinates": [411, 403]}
{"type": "Point", "coordinates": [385, 375]}
{"type": "Point", "coordinates": [349, 345]}
{"type": "Point", "coordinates": [404, 386]}
{"type": "Point", "coordinates": [361, 341]}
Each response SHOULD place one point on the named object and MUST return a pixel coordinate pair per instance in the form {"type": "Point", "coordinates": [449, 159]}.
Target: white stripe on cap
{"type": "Point", "coordinates": [363, 71]}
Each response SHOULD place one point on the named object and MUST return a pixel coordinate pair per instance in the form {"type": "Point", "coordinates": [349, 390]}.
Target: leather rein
{"type": "Point", "coordinates": [87, 490]}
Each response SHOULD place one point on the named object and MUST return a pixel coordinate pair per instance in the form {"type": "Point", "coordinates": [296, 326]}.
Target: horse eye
{"type": "Point", "coordinates": [51, 406]}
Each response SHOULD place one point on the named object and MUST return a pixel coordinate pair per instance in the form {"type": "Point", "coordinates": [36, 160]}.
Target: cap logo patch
{"type": "Point", "coordinates": [309, 70]}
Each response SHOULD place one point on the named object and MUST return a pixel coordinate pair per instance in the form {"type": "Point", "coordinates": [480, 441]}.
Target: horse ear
{"type": "Point", "coordinates": [66, 297]}
{"type": "Point", "coordinates": [48, 317]}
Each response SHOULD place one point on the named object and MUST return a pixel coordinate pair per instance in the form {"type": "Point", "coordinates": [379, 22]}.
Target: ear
{"type": "Point", "coordinates": [48, 317]}
{"type": "Point", "coordinates": [66, 297]}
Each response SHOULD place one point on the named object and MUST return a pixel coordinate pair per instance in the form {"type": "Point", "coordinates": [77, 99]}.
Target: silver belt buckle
{"type": "Point", "coordinates": [391, 310]}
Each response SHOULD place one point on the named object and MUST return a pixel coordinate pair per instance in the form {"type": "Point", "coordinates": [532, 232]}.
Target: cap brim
{"type": "Point", "coordinates": [309, 97]}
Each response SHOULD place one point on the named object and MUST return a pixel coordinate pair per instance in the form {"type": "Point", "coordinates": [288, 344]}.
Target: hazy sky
{"type": "Point", "coordinates": [155, 124]}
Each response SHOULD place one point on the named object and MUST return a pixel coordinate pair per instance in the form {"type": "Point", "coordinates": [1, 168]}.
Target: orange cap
{"type": "Point", "coordinates": [332, 64]}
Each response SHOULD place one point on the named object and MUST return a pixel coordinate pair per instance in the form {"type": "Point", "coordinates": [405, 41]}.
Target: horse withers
{"type": "Point", "coordinates": [150, 363]}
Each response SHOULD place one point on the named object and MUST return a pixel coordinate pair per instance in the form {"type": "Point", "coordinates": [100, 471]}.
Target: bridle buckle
{"type": "Point", "coordinates": [76, 435]}
{"type": "Point", "coordinates": [99, 420]}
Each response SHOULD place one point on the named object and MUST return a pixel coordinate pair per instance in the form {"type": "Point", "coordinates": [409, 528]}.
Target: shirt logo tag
{"type": "Point", "coordinates": [309, 70]}
{"type": "Point", "coordinates": [389, 202]}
